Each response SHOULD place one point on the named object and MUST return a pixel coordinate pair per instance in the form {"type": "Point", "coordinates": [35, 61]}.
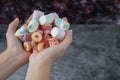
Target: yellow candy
{"type": "Point", "coordinates": [36, 36]}
{"type": "Point", "coordinates": [27, 46]}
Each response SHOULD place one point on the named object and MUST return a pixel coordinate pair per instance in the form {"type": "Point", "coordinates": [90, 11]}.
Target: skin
{"type": "Point", "coordinates": [14, 56]}
{"type": "Point", "coordinates": [39, 63]}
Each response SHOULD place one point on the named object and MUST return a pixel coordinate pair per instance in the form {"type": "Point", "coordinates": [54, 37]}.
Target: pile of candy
{"type": "Point", "coordinates": [43, 31]}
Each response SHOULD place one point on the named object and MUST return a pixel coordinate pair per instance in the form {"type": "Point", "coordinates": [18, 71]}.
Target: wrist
{"type": "Point", "coordinates": [9, 64]}
{"type": "Point", "coordinates": [9, 55]}
{"type": "Point", "coordinates": [38, 70]}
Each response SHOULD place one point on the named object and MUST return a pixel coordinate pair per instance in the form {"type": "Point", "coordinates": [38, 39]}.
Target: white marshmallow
{"type": "Point", "coordinates": [55, 15]}
{"type": "Point", "coordinates": [37, 14]}
{"type": "Point", "coordinates": [20, 32]}
{"type": "Point", "coordinates": [58, 33]}
{"type": "Point", "coordinates": [33, 25]}
{"type": "Point", "coordinates": [62, 24]}
{"type": "Point", "coordinates": [48, 19]}
{"type": "Point", "coordinates": [43, 20]}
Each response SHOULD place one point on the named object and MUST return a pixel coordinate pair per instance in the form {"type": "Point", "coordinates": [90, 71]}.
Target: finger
{"type": "Point", "coordinates": [12, 26]}
{"type": "Point", "coordinates": [67, 40]}
{"type": "Point", "coordinates": [29, 19]}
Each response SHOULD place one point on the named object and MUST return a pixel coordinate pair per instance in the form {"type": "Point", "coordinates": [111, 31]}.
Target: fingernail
{"type": "Point", "coordinates": [17, 20]}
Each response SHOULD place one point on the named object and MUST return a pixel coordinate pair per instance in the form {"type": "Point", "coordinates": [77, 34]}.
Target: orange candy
{"type": "Point", "coordinates": [33, 43]}
{"type": "Point", "coordinates": [40, 46]}
{"type": "Point", "coordinates": [53, 41]}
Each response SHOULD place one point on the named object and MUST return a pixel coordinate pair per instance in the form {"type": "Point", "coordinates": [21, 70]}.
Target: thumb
{"type": "Point", "coordinates": [67, 40]}
{"type": "Point", "coordinates": [12, 26]}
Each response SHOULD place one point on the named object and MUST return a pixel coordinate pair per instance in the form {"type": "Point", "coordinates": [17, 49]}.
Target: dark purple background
{"type": "Point", "coordinates": [77, 11]}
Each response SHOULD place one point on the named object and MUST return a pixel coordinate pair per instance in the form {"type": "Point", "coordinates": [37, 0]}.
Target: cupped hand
{"type": "Point", "coordinates": [51, 54]}
{"type": "Point", "coordinates": [14, 46]}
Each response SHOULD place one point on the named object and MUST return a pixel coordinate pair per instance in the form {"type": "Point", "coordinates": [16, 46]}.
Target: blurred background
{"type": "Point", "coordinates": [95, 51]}
{"type": "Point", "coordinates": [77, 11]}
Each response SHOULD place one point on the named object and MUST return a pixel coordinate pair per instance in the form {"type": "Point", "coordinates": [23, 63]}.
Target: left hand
{"type": "Point", "coordinates": [14, 46]}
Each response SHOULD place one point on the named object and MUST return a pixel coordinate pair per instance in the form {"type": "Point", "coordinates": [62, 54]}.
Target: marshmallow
{"type": "Point", "coordinates": [21, 38]}
{"type": "Point", "coordinates": [57, 33]}
{"type": "Point", "coordinates": [53, 41]}
{"type": "Point", "coordinates": [40, 46]}
{"type": "Point", "coordinates": [21, 31]}
{"type": "Point", "coordinates": [27, 37]}
{"type": "Point", "coordinates": [48, 19]}
{"type": "Point", "coordinates": [62, 24]}
{"type": "Point", "coordinates": [33, 25]}
{"type": "Point", "coordinates": [36, 36]}
{"type": "Point", "coordinates": [54, 15]}
{"type": "Point", "coordinates": [27, 46]}
{"type": "Point", "coordinates": [43, 20]}
{"type": "Point", "coordinates": [37, 14]}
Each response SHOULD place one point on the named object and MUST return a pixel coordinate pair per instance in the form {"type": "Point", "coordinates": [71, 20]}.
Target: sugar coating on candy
{"type": "Point", "coordinates": [36, 36]}
{"type": "Point", "coordinates": [57, 33]}
{"type": "Point", "coordinates": [37, 14]}
{"type": "Point", "coordinates": [53, 41]}
{"type": "Point", "coordinates": [33, 25]}
{"type": "Point", "coordinates": [27, 46]}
